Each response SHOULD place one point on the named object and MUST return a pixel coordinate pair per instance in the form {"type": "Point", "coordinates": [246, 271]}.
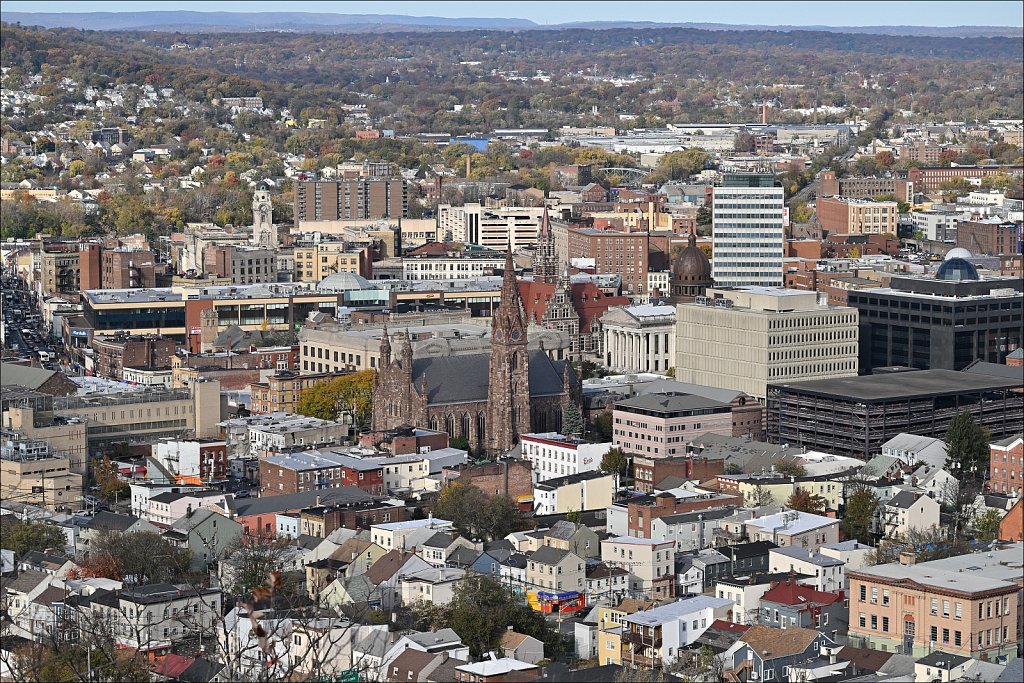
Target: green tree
{"type": "Point", "coordinates": [572, 419]}
{"type": "Point", "coordinates": [601, 428]}
{"type": "Point", "coordinates": [791, 468]}
{"type": "Point", "coordinates": [476, 514]}
{"type": "Point", "coordinates": [703, 216]}
{"type": "Point", "coordinates": [76, 167]}
{"type": "Point", "coordinates": [23, 537]}
{"type": "Point", "coordinates": [967, 451]}
{"type": "Point", "coordinates": [861, 504]}
{"type": "Point", "coordinates": [326, 400]}
{"type": "Point", "coordinates": [800, 212]}
{"type": "Point", "coordinates": [614, 461]}
{"type": "Point", "coordinates": [956, 187]}
{"type": "Point", "coordinates": [574, 516]}
{"type": "Point", "coordinates": [986, 525]}
{"type": "Point", "coordinates": [480, 612]}
{"type": "Point", "coordinates": [759, 496]}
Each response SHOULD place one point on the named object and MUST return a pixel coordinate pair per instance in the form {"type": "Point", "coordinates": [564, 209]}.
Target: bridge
{"type": "Point", "coordinates": [634, 175]}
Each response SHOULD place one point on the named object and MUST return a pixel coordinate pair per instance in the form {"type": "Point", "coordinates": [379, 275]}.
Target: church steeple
{"type": "Point", "coordinates": [385, 348]}
{"type": "Point", "coordinates": [545, 259]}
{"type": "Point", "coordinates": [508, 396]}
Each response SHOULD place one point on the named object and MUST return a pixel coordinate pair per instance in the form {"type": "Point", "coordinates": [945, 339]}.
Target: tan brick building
{"type": "Point", "coordinates": [351, 198]}
{"type": "Point", "coordinates": [967, 605]}
{"type": "Point", "coordinates": [620, 253]}
{"type": "Point", "coordinates": [280, 393]}
{"type": "Point", "coordinates": [850, 216]}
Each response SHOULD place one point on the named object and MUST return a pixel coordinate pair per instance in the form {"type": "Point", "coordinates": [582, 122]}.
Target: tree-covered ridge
{"type": "Point", "coordinates": [414, 79]}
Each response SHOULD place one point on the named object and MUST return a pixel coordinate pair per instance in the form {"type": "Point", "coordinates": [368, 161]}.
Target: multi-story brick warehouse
{"type": "Point", "coordinates": [351, 199]}
{"type": "Point", "coordinates": [930, 178]}
{"type": "Point", "coordinates": [1006, 465]}
{"type": "Point", "coordinates": [854, 416]}
{"type": "Point", "coordinates": [989, 236]}
{"type": "Point", "coordinates": [968, 605]}
{"type": "Point", "coordinates": [865, 188]}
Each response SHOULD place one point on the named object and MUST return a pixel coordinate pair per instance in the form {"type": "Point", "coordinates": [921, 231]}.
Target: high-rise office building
{"type": "Point", "coordinates": [748, 238]}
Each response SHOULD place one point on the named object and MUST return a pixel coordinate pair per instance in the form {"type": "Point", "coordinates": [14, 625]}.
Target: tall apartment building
{"type": "Point", "coordinates": [621, 253]}
{"type": "Point", "coordinates": [850, 216]}
{"type": "Point", "coordinates": [745, 339]}
{"type": "Point", "coordinates": [495, 228]}
{"type": "Point", "coordinates": [748, 238]}
{"type": "Point", "coordinates": [351, 198]}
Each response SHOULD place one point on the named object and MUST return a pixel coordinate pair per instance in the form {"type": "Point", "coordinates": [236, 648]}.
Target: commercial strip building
{"type": "Point", "coordinates": [748, 236]}
{"type": "Point", "coordinates": [748, 338]}
{"type": "Point", "coordinates": [492, 227]}
{"type": "Point", "coordinates": [856, 416]}
{"type": "Point", "coordinates": [967, 605]}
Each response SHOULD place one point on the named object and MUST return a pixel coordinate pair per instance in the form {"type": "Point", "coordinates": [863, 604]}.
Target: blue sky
{"type": "Point", "coordinates": [769, 13]}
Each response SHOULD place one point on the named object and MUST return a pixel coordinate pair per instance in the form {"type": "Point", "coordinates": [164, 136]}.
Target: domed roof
{"type": "Point", "coordinates": [956, 252]}
{"type": "Point", "coordinates": [957, 269]}
{"type": "Point", "coordinates": [692, 264]}
{"type": "Point", "coordinates": [343, 282]}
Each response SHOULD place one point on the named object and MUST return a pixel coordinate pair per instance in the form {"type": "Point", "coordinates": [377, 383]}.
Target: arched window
{"type": "Point", "coordinates": [449, 424]}
{"type": "Point", "coordinates": [433, 422]}
{"type": "Point", "coordinates": [464, 426]}
{"type": "Point", "coordinates": [480, 428]}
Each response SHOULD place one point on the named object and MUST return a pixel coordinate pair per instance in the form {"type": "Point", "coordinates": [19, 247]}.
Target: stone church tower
{"type": "Point", "coordinates": [545, 258]}
{"type": "Point", "coordinates": [396, 401]}
{"type": "Point", "coordinates": [508, 397]}
{"type": "Point", "coordinates": [264, 234]}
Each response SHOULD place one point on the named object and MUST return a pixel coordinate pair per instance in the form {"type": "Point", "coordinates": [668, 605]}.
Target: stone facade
{"type": "Point", "coordinates": [489, 399]}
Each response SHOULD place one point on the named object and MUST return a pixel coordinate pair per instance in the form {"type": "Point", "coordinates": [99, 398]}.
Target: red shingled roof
{"type": "Point", "coordinates": [723, 625]}
{"type": "Point", "coordinates": [588, 300]}
{"type": "Point", "coordinates": [791, 593]}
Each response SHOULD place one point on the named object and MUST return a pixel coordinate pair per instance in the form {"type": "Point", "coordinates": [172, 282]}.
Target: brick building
{"type": "Point", "coordinates": [989, 236]}
{"type": "Point", "coordinates": [865, 188]}
{"type": "Point", "coordinates": [315, 470]}
{"type": "Point", "coordinates": [857, 216]}
{"type": "Point", "coordinates": [1006, 465]}
{"type": "Point", "coordinates": [620, 253]}
{"type": "Point", "coordinates": [116, 268]}
{"type": "Point", "coordinates": [322, 520]}
{"type": "Point", "coordinates": [112, 354]}
{"type": "Point", "coordinates": [351, 199]}
{"type": "Point", "coordinates": [648, 471]}
{"type": "Point", "coordinates": [512, 478]}
{"type": "Point", "coordinates": [658, 425]}
{"type": "Point", "coordinates": [931, 178]}
{"type": "Point", "coordinates": [643, 509]}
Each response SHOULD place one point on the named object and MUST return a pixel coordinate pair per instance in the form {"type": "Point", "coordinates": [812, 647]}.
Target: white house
{"type": "Point", "coordinates": [912, 449]}
{"type": "Point", "coordinates": [827, 572]}
{"type": "Point", "coordinates": [793, 528]}
{"type": "Point", "coordinates": [909, 510]}
{"type": "Point", "coordinates": [435, 586]}
{"type": "Point", "coordinates": [667, 629]}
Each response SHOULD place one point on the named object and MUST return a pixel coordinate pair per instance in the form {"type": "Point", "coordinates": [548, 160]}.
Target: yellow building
{"type": "Point", "coordinates": [609, 629]}
{"type": "Point", "coordinates": [315, 262]}
{"type": "Point", "coordinates": [30, 474]}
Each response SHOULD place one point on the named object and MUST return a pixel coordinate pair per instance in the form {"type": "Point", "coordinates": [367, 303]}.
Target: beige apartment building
{"type": "Point", "coordinates": [317, 261]}
{"type": "Point", "coordinates": [747, 338]}
{"type": "Point", "coordinates": [660, 425]}
{"type": "Point", "coordinates": [31, 474]}
{"type": "Point", "coordinates": [650, 563]}
{"type": "Point", "coordinates": [28, 416]}
{"type": "Point", "coordinates": [967, 605]}
{"type": "Point", "coordinates": [555, 570]}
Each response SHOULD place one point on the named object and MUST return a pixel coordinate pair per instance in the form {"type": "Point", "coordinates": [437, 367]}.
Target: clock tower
{"type": "Point", "coordinates": [508, 396]}
{"type": "Point", "coordinates": [264, 234]}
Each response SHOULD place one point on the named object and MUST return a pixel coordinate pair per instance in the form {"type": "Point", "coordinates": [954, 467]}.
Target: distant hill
{"type": "Point", "coordinates": [176, 20]}
{"type": "Point", "coordinates": [308, 22]}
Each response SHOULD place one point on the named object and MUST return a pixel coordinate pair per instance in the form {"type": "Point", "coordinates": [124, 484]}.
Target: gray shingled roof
{"type": "Point", "coordinates": [24, 376]}
{"type": "Point", "coordinates": [548, 555]}
{"type": "Point", "coordinates": [903, 499]}
{"type": "Point", "coordinates": [464, 379]}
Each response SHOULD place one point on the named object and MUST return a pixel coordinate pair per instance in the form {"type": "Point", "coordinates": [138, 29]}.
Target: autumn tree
{"type": "Point", "coordinates": [791, 468]}
{"type": "Point", "coordinates": [145, 557]}
{"type": "Point", "coordinates": [986, 525]}
{"type": "Point", "coordinates": [885, 159]}
{"type": "Point", "coordinates": [759, 496]}
{"type": "Point", "coordinates": [351, 393]}
{"type": "Point", "coordinates": [803, 501]}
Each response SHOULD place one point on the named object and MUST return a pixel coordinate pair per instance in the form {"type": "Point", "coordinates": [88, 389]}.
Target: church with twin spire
{"type": "Point", "coordinates": [490, 399]}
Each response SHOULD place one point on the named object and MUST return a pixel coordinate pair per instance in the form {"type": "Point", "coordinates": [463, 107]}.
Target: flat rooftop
{"type": "Point", "coordinates": [670, 402]}
{"type": "Point", "coordinates": [900, 385]}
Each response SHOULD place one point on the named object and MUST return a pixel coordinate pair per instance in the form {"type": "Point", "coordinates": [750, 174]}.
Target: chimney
{"type": "Point", "coordinates": [908, 558]}
{"type": "Point", "coordinates": [318, 501]}
{"type": "Point", "coordinates": [764, 112]}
